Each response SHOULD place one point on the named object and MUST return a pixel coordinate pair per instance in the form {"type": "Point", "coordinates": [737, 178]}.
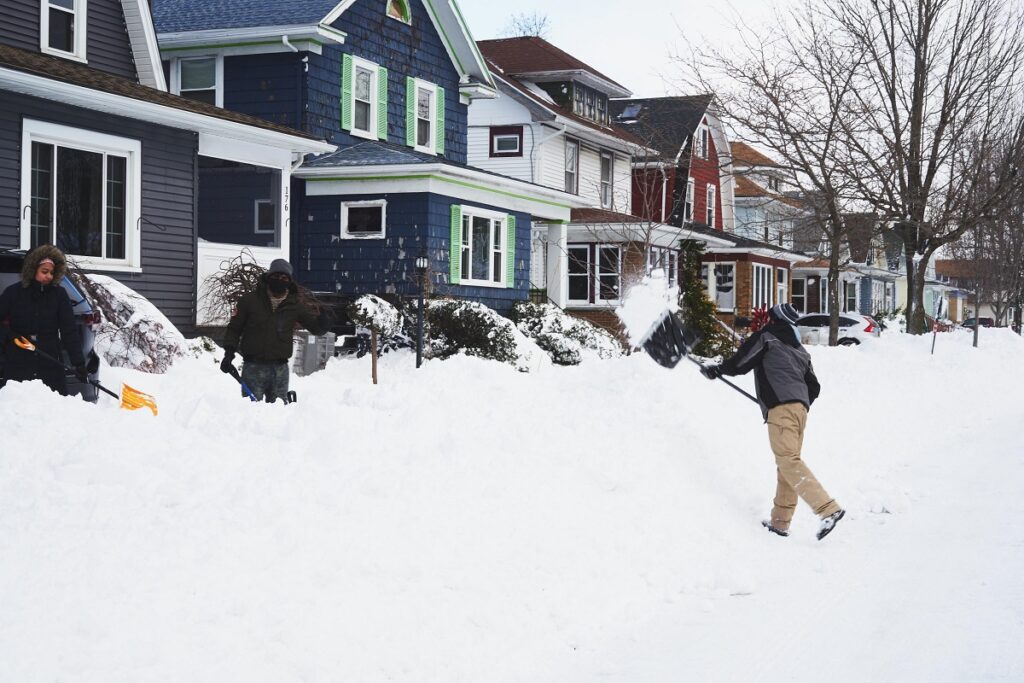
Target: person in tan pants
{"type": "Point", "coordinates": [786, 387]}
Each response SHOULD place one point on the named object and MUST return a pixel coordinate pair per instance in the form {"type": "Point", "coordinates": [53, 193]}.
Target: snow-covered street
{"type": "Point", "coordinates": [467, 522]}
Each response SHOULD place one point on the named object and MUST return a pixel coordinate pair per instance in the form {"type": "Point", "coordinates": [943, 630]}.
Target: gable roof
{"type": "Point", "coordinates": [533, 58]}
{"type": "Point", "coordinates": [667, 123]}
{"type": "Point", "coordinates": [29, 72]}
{"type": "Point", "coordinates": [190, 16]}
{"type": "Point", "coordinates": [742, 153]}
{"type": "Point", "coordinates": [138, 20]}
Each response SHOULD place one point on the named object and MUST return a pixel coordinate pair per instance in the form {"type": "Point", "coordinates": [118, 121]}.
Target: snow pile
{"type": "Point", "coordinates": [133, 332]}
{"type": "Point", "coordinates": [566, 339]}
{"type": "Point", "coordinates": [645, 305]}
{"type": "Point", "coordinates": [468, 522]}
{"type": "Point", "coordinates": [374, 313]}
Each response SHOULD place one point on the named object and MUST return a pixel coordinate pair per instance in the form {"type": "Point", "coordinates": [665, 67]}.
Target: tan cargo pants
{"type": "Point", "coordinates": [786, 433]}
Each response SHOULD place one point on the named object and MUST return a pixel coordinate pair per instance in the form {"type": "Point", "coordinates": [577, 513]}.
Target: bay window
{"type": "Point", "coordinates": [82, 190]}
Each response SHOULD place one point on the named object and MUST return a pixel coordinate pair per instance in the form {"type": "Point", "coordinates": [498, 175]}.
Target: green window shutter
{"type": "Point", "coordinates": [382, 103]}
{"type": "Point", "coordinates": [439, 129]}
{"type": "Point", "coordinates": [510, 251]}
{"type": "Point", "coordinates": [455, 255]}
{"type": "Point", "coordinates": [346, 92]}
{"type": "Point", "coordinates": [410, 111]}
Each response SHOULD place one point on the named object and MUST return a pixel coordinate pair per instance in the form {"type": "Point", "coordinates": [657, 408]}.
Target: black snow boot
{"type": "Point", "coordinates": [768, 525]}
{"type": "Point", "coordinates": [829, 523]}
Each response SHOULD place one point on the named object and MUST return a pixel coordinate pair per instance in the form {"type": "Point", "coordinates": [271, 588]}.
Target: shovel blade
{"type": "Point", "coordinates": [670, 341]}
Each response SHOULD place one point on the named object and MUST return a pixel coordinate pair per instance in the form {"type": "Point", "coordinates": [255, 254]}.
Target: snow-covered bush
{"type": "Point", "coordinates": [566, 339]}
{"type": "Point", "coordinates": [133, 332]}
{"type": "Point", "coordinates": [374, 313]}
{"type": "Point", "coordinates": [474, 329]}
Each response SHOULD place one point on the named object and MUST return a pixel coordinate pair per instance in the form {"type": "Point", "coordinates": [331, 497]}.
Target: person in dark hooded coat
{"type": "Point", "coordinates": [261, 329]}
{"type": "Point", "coordinates": [786, 387]}
{"type": "Point", "coordinates": [38, 308]}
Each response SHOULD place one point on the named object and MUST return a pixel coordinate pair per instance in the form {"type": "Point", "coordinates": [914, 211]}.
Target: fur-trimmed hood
{"type": "Point", "coordinates": [32, 259]}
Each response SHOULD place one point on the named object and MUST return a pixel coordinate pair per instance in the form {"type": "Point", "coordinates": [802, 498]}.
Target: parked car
{"type": "Point", "coordinates": [984, 322]}
{"type": "Point", "coordinates": [853, 328]}
{"type": "Point", "coordinates": [86, 317]}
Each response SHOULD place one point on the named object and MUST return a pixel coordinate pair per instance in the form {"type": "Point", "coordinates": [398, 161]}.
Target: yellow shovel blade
{"type": "Point", "coordinates": [133, 399]}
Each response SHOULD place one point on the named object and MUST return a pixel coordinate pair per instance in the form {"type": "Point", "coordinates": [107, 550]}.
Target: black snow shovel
{"type": "Point", "coordinates": [671, 340]}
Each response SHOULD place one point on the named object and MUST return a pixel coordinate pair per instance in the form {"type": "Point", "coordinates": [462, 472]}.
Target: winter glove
{"type": "Point", "coordinates": [225, 365]}
{"type": "Point", "coordinates": [81, 373]}
{"type": "Point", "coordinates": [711, 371]}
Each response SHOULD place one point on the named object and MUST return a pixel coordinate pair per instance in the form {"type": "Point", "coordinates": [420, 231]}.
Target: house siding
{"type": "Point", "coordinates": [706, 172]}
{"type": "Point", "coordinates": [268, 86]}
{"type": "Point", "coordinates": [351, 267]}
{"type": "Point", "coordinates": [108, 47]}
{"type": "Point", "coordinates": [404, 50]}
{"type": "Point", "coordinates": [168, 198]}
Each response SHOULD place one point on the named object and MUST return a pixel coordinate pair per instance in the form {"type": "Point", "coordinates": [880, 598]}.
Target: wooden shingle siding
{"type": "Point", "coordinates": [268, 86]}
{"type": "Point", "coordinates": [108, 46]}
{"type": "Point", "coordinates": [168, 199]}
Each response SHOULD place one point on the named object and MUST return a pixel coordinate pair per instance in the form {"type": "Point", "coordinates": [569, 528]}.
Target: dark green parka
{"type": "Point", "coordinates": [266, 334]}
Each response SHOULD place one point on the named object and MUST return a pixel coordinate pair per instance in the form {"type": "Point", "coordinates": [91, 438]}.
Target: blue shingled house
{"type": "Point", "coordinates": [99, 159]}
{"type": "Point", "coordinates": [389, 83]}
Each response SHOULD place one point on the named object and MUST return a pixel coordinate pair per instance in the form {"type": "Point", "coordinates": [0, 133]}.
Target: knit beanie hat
{"type": "Point", "coordinates": [785, 313]}
{"type": "Point", "coordinates": [279, 265]}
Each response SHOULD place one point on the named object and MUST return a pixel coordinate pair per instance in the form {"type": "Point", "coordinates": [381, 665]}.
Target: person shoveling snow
{"type": "Point", "coordinates": [783, 378]}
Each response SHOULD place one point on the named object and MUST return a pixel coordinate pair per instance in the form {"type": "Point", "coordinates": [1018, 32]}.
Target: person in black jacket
{"type": "Point", "coordinates": [38, 308]}
{"type": "Point", "coordinates": [261, 327]}
{"type": "Point", "coordinates": [786, 388]}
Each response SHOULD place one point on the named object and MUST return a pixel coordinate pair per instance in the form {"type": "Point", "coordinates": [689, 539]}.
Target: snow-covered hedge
{"type": "Point", "coordinates": [567, 340]}
{"type": "Point", "coordinates": [374, 313]}
{"type": "Point", "coordinates": [474, 329]}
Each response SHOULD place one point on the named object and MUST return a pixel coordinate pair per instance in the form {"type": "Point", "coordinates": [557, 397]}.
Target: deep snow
{"type": "Point", "coordinates": [467, 522]}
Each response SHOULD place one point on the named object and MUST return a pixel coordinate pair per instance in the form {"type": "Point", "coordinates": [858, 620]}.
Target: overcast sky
{"type": "Point", "coordinates": [616, 39]}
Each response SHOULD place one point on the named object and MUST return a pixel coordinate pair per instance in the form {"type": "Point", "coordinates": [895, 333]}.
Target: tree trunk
{"type": "Point", "coordinates": [373, 354]}
{"type": "Point", "coordinates": [833, 297]}
{"type": "Point", "coordinates": [916, 322]}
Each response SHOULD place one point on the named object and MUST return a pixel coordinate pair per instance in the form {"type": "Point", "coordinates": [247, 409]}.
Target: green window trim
{"type": "Point", "coordinates": [510, 251]}
{"type": "Point", "coordinates": [410, 111]}
{"type": "Point", "coordinates": [455, 246]}
{"type": "Point", "coordinates": [439, 121]}
{"type": "Point", "coordinates": [346, 92]}
{"type": "Point", "coordinates": [382, 103]}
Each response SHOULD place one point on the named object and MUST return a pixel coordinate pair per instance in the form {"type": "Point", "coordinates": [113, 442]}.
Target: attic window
{"type": "Point", "coordinates": [62, 28]}
{"type": "Point", "coordinates": [630, 112]}
{"type": "Point", "coordinates": [399, 9]}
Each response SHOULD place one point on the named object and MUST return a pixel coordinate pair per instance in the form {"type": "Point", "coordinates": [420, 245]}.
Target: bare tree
{"type": "Point", "coordinates": [533, 24]}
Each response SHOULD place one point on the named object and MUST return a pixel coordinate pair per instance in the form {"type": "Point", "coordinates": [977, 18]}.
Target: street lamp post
{"type": "Point", "coordinates": [422, 263]}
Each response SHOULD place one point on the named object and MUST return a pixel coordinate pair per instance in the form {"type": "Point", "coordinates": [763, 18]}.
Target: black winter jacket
{"type": "Point", "coordinates": [782, 367]}
{"type": "Point", "coordinates": [44, 315]}
{"type": "Point", "coordinates": [262, 334]}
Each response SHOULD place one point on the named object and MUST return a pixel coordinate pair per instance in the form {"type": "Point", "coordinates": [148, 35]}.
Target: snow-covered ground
{"type": "Point", "coordinates": [466, 522]}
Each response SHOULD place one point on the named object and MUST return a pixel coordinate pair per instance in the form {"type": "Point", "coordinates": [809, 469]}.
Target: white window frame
{"type": "Point", "coordinates": [374, 69]}
{"type": "Point", "coordinates": [468, 213]}
{"type": "Point", "coordinates": [89, 141]}
{"type": "Point", "coordinates": [606, 187]}
{"type": "Point", "coordinates": [847, 286]}
{"type": "Point", "coordinates": [802, 308]}
{"type": "Point", "coordinates": [431, 88]}
{"type": "Point", "coordinates": [256, 217]}
{"type": "Point", "coordinates": [703, 141]}
{"type": "Point", "coordinates": [218, 79]}
{"type": "Point", "coordinates": [598, 272]}
{"type": "Point", "coordinates": [576, 171]}
{"type": "Point", "coordinates": [691, 190]}
{"type": "Point", "coordinates": [781, 286]}
{"type": "Point", "coordinates": [344, 231]}
{"type": "Point", "coordinates": [667, 259]}
{"type": "Point", "coordinates": [589, 273]}
{"type": "Point", "coordinates": [81, 22]}
{"type": "Point", "coordinates": [518, 151]}
{"type": "Point", "coordinates": [761, 289]}
{"type": "Point", "coordinates": [713, 284]}
{"type": "Point", "coordinates": [709, 210]}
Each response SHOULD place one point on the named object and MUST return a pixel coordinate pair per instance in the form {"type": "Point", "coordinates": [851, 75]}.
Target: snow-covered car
{"type": "Point", "coordinates": [853, 328]}
{"type": "Point", "coordinates": [87, 318]}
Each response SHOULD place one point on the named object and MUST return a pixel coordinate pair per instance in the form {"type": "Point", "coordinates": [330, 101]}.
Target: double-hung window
{"type": "Point", "coordinates": [83, 191]}
{"type": "Point", "coordinates": [762, 287]}
{"type": "Point", "coordinates": [781, 286]}
{"type": "Point", "coordinates": [200, 79]}
{"type": "Point", "coordinates": [572, 166]}
{"type": "Point", "coordinates": [62, 28]}
{"type": "Point", "coordinates": [799, 294]}
{"type": "Point", "coordinates": [725, 286]}
{"type": "Point", "coordinates": [850, 300]}
{"type": "Point", "coordinates": [667, 260]}
{"type": "Point", "coordinates": [364, 107]}
{"type": "Point", "coordinates": [688, 206]}
{"type": "Point", "coordinates": [424, 116]}
{"type": "Point", "coordinates": [702, 142]}
{"type": "Point", "coordinates": [711, 207]}
{"type": "Point", "coordinates": [607, 179]}
{"type": "Point", "coordinates": [579, 274]}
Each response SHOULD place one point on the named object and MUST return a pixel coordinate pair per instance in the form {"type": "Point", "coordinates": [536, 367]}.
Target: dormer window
{"type": "Point", "coordinates": [589, 103]}
{"type": "Point", "coordinates": [399, 9]}
{"type": "Point", "coordinates": [62, 24]}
